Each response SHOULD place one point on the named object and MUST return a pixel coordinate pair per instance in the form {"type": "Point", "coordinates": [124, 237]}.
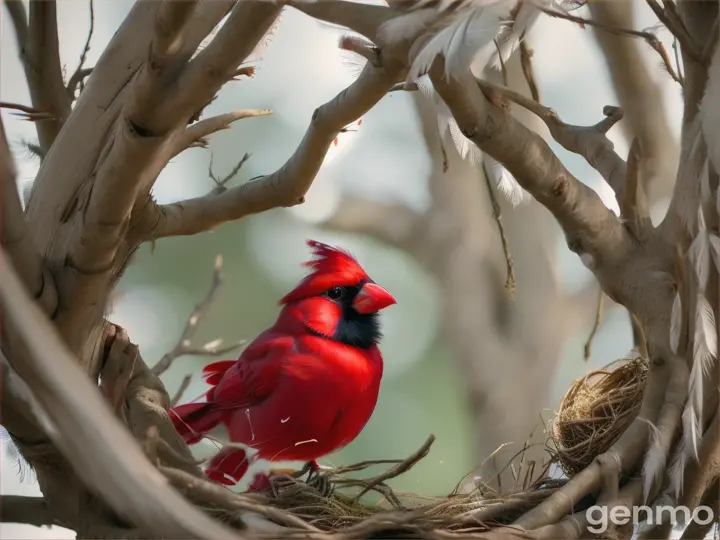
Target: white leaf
{"type": "Point", "coordinates": [405, 26]}
{"type": "Point", "coordinates": [462, 143]}
{"type": "Point", "coordinates": [705, 339]}
{"type": "Point", "coordinates": [715, 245]}
{"type": "Point", "coordinates": [675, 323]}
{"type": "Point", "coordinates": [676, 472]}
{"type": "Point", "coordinates": [699, 253]}
{"type": "Point", "coordinates": [426, 88]}
{"type": "Point", "coordinates": [506, 183]}
{"type": "Point", "coordinates": [705, 193]}
{"type": "Point", "coordinates": [654, 458]}
{"type": "Point", "coordinates": [526, 17]}
{"type": "Point", "coordinates": [467, 36]}
{"type": "Point", "coordinates": [691, 430]}
{"type": "Point", "coordinates": [353, 62]}
{"type": "Point", "coordinates": [704, 351]}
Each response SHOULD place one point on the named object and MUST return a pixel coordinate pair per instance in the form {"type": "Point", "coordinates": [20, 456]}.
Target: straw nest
{"type": "Point", "coordinates": [596, 411]}
{"type": "Point", "coordinates": [592, 415]}
{"type": "Point", "coordinates": [348, 513]}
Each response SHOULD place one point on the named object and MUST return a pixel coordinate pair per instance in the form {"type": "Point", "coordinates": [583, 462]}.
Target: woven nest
{"type": "Point", "coordinates": [305, 512]}
{"type": "Point", "coordinates": [596, 411]}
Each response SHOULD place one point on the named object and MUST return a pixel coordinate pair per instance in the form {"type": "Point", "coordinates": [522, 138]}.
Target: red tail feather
{"type": "Point", "coordinates": [215, 371]}
{"type": "Point", "coordinates": [228, 466]}
{"type": "Point", "coordinates": [193, 420]}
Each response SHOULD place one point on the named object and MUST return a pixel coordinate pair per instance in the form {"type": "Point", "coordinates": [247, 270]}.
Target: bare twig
{"type": "Point", "coordinates": [672, 21]}
{"type": "Point", "coordinates": [220, 182]}
{"type": "Point", "coordinates": [400, 468]}
{"type": "Point", "coordinates": [596, 325]}
{"type": "Point", "coordinates": [527, 67]}
{"type": "Point", "coordinates": [181, 390]}
{"type": "Point", "coordinates": [27, 113]}
{"type": "Point", "coordinates": [510, 284]}
{"type": "Point", "coordinates": [649, 38]}
{"type": "Point", "coordinates": [211, 125]}
{"type": "Point", "coordinates": [81, 72]}
{"type": "Point", "coordinates": [184, 345]}
{"type": "Point", "coordinates": [503, 67]}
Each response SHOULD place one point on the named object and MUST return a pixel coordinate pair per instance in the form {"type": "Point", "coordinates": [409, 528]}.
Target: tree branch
{"type": "Point", "coordinates": [100, 450]}
{"type": "Point", "coordinates": [650, 39]}
{"type": "Point", "coordinates": [590, 228]}
{"type": "Point", "coordinates": [27, 510]}
{"type": "Point", "coordinates": [184, 344]}
{"type": "Point", "coordinates": [589, 142]}
{"type": "Point", "coordinates": [640, 97]}
{"type": "Point", "coordinates": [15, 238]}
{"type": "Point", "coordinates": [287, 186]}
{"type": "Point", "coordinates": [161, 70]}
{"type": "Point", "coordinates": [208, 126]}
{"type": "Point", "coordinates": [215, 65]}
{"type": "Point", "coordinates": [393, 223]}
{"type": "Point", "coordinates": [81, 72]}
{"type": "Point", "coordinates": [40, 56]}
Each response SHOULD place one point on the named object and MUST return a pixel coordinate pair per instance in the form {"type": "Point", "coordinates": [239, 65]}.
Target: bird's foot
{"type": "Point", "coordinates": [318, 480]}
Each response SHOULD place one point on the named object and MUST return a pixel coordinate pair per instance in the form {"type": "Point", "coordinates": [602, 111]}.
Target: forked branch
{"type": "Point", "coordinates": [588, 224]}
{"type": "Point", "coordinates": [288, 185]}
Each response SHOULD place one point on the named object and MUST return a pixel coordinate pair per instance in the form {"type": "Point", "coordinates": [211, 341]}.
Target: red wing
{"type": "Point", "coordinates": [255, 375]}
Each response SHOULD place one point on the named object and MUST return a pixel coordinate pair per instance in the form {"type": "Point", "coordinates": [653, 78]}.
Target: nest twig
{"type": "Point", "coordinates": [347, 512]}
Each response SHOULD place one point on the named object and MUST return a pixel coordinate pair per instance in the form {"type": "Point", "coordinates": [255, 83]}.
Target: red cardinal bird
{"type": "Point", "coordinates": [306, 386]}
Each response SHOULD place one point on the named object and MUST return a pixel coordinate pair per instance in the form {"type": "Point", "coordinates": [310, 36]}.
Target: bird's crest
{"type": "Point", "coordinates": [331, 267]}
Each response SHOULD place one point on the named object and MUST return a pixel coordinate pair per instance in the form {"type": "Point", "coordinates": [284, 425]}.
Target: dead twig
{"type": "Point", "coordinates": [398, 469]}
{"type": "Point", "coordinates": [30, 114]}
{"type": "Point", "coordinates": [648, 37]}
{"type": "Point", "coordinates": [669, 16]}
{"type": "Point", "coordinates": [184, 345]}
{"type": "Point", "coordinates": [510, 284]}
{"type": "Point", "coordinates": [596, 326]}
{"type": "Point", "coordinates": [81, 72]}
{"type": "Point", "coordinates": [526, 54]}
{"type": "Point", "coordinates": [181, 390]}
{"type": "Point", "coordinates": [220, 182]}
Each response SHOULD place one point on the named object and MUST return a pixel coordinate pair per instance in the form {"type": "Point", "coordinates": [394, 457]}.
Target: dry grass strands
{"type": "Point", "coordinates": [596, 411]}
{"type": "Point", "coordinates": [344, 514]}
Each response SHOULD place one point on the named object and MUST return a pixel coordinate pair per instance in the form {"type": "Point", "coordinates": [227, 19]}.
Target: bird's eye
{"type": "Point", "coordinates": [336, 293]}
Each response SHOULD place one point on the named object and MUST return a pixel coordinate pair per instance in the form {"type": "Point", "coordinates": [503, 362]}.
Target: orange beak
{"type": "Point", "coordinates": [372, 298]}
